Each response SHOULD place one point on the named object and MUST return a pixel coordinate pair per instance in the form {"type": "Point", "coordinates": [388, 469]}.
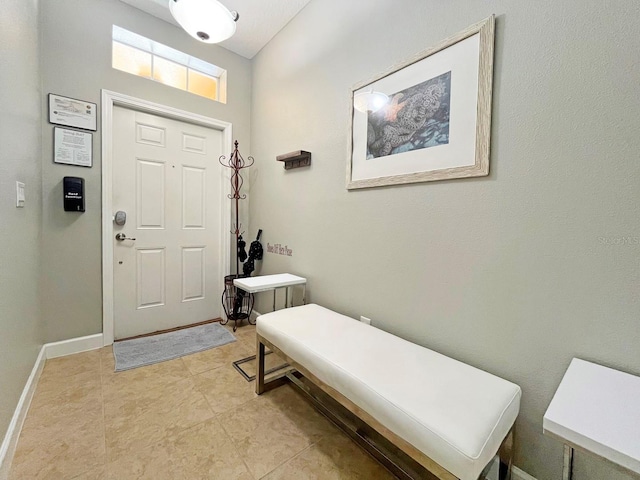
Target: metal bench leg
{"type": "Point", "coordinates": [260, 369]}
{"type": "Point", "coordinates": [506, 457]}
{"type": "Point", "coordinates": [567, 468]}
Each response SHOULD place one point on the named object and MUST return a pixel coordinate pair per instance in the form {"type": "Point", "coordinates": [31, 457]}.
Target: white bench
{"type": "Point", "coordinates": [449, 417]}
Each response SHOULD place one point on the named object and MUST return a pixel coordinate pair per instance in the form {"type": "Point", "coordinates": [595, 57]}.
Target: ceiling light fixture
{"type": "Point", "coordinates": [369, 101]}
{"type": "Point", "coordinates": [206, 20]}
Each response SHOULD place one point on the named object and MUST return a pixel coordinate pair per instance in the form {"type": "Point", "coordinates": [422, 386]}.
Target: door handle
{"type": "Point", "coordinates": [122, 237]}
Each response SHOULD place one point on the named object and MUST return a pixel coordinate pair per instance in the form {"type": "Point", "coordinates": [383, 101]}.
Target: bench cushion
{"type": "Point", "coordinates": [455, 414]}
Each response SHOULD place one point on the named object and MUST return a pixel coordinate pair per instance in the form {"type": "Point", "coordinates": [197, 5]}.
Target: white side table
{"type": "Point", "coordinates": [265, 283]}
{"type": "Point", "coordinates": [596, 409]}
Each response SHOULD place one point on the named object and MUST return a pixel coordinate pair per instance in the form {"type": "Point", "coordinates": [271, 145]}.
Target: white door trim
{"type": "Point", "coordinates": [109, 100]}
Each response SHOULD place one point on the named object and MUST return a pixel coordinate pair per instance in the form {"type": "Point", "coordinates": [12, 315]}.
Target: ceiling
{"type": "Point", "coordinates": [259, 21]}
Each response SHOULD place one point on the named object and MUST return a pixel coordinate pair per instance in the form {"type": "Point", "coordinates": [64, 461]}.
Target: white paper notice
{"type": "Point", "coordinates": [71, 112]}
{"type": "Point", "coordinates": [71, 147]}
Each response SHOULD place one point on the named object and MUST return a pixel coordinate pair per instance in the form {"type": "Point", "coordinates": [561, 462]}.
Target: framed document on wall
{"type": "Point", "coordinates": [72, 147]}
{"type": "Point", "coordinates": [72, 113]}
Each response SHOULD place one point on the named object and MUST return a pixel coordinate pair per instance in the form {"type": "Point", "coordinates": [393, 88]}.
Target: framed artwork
{"type": "Point", "coordinates": [435, 122]}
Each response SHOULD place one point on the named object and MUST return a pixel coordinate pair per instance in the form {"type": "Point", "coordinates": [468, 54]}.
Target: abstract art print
{"type": "Point", "coordinates": [431, 116]}
{"type": "Point", "coordinates": [416, 117]}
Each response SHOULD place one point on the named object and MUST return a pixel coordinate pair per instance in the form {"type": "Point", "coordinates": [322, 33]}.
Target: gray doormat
{"type": "Point", "coordinates": [139, 352]}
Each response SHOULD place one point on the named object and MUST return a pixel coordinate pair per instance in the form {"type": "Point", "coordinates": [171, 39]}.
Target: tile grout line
{"type": "Point", "coordinates": [197, 388]}
{"type": "Point", "coordinates": [104, 361]}
{"type": "Point", "coordinates": [190, 375]}
{"type": "Point", "coordinates": [104, 417]}
{"type": "Point", "coordinates": [184, 364]}
{"type": "Point", "coordinates": [250, 346]}
{"type": "Point", "coordinates": [104, 434]}
{"type": "Point", "coordinates": [245, 463]}
{"type": "Point", "coordinates": [56, 398]}
{"type": "Point", "coordinates": [103, 421]}
{"type": "Point", "coordinates": [237, 448]}
{"type": "Point", "coordinates": [289, 459]}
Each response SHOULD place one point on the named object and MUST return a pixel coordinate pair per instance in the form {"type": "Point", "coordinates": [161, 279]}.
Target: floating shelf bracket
{"type": "Point", "coordinates": [296, 159]}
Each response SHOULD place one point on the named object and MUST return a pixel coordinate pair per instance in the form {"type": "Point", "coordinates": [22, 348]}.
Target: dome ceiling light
{"type": "Point", "coordinates": [369, 101]}
{"type": "Point", "coordinates": [206, 20]}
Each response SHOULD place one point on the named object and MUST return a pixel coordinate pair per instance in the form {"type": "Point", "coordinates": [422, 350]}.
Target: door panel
{"type": "Point", "coordinates": [194, 144]}
{"type": "Point", "coordinates": [193, 273]}
{"type": "Point", "coordinates": [193, 197]}
{"type": "Point", "coordinates": [151, 135]}
{"type": "Point", "coordinates": [166, 176]}
{"type": "Point", "coordinates": [150, 183]}
{"type": "Point", "coordinates": [150, 277]}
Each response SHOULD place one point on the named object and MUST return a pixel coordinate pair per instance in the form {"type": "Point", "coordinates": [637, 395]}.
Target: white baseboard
{"type": "Point", "coordinates": [74, 345]}
{"type": "Point", "coordinates": [8, 447]}
{"type": "Point", "coordinates": [48, 350]}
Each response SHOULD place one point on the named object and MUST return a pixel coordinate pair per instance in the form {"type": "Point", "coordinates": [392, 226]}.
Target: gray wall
{"type": "Point", "coordinates": [76, 62]}
{"type": "Point", "coordinates": [20, 152]}
{"type": "Point", "coordinates": [515, 273]}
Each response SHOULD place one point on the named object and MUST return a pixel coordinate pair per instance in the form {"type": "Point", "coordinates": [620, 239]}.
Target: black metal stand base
{"type": "Point", "coordinates": [237, 303]}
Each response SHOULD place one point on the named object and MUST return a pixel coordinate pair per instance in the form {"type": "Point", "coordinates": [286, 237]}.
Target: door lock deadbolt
{"type": "Point", "coordinates": [120, 218]}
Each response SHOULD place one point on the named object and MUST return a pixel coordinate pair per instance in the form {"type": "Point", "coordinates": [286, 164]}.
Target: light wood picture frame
{"type": "Point", "coordinates": [436, 124]}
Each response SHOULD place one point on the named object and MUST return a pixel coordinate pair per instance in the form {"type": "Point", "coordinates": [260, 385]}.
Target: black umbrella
{"type": "Point", "coordinates": [242, 255]}
{"type": "Point", "coordinates": [255, 253]}
{"type": "Point", "coordinates": [255, 249]}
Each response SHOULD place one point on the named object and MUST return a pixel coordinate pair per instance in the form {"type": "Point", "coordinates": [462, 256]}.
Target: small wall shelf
{"type": "Point", "coordinates": [296, 159]}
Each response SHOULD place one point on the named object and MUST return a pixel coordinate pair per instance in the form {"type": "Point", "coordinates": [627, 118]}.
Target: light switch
{"type": "Point", "coordinates": [20, 195]}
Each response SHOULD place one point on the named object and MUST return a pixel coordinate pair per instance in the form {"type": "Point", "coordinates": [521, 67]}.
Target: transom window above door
{"type": "Point", "coordinates": [141, 56]}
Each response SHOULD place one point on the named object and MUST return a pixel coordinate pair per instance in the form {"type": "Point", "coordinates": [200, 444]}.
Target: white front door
{"type": "Point", "coordinates": [167, 179]}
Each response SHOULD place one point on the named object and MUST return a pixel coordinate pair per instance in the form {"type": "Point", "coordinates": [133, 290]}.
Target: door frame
{"type": "Point", "coordinates": [110, 100]}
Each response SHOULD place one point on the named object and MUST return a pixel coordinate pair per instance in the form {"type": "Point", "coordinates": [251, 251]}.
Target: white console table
{"type": "Point", "coordinates": [596, 409]}
{"type": "Point", "coordinates": [265, 283]}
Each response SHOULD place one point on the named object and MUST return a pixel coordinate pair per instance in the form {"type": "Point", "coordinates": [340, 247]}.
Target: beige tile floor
{"type": "Point", "coordinates": [190, 418]}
